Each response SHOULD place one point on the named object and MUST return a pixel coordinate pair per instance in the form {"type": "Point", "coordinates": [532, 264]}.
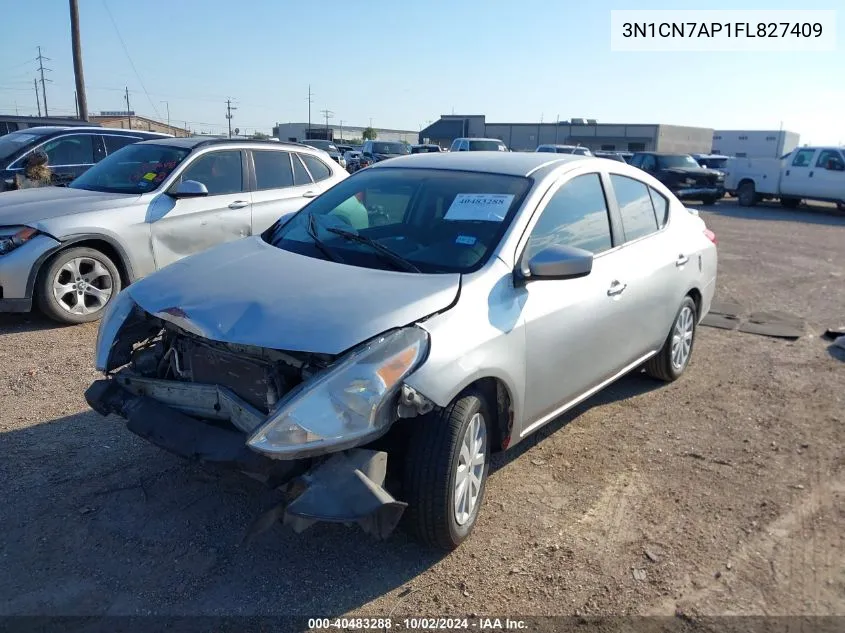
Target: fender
{"type": "Point", "coordinates": [125, 262]}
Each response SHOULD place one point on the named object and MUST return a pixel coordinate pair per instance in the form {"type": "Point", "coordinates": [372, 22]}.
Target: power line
{"type": "Point", "coordinates": [41, 59]}
{"type": "Point", "coordinates": [129, 57]}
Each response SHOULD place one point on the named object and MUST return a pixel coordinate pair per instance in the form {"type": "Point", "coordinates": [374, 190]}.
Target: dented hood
{"type": "Point", "coordinates": [251, 293]}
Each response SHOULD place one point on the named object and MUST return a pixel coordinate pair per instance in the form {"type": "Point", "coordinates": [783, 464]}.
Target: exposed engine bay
{"type": "Point", "coordinates": [257, 375]}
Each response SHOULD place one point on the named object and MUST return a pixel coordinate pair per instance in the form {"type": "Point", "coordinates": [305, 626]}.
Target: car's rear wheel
{"type": "Point", "coordinates": [710, 200]}
{"type": "Point", "coordinates": [446, 471]}
{"type": "Point", "coordinates": [77, 285]}
{"type": "Point", "coordinates": [672, 359]}
{"type": "Point", "coordinates": [790, 203]}
{"type": "Point", "coordinates": [747, 194]}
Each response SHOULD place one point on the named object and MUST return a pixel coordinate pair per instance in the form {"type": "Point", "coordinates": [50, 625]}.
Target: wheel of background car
{"type": "Point", "coordinates": [76, 285]}
{"type": "Point", "coordinates": [790, 203]}
{"type": "Point", "coordinates": [747, 195]}
{"type": "Point", "coordinates": [672, 359]}
{"type": "Point", "coordinates": [446, 471]}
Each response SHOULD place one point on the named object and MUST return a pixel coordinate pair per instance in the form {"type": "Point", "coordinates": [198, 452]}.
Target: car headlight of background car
{"type": "Point", "coordinates": [12, 237]}
{"type": "Point", "coordinates": [348, 404]}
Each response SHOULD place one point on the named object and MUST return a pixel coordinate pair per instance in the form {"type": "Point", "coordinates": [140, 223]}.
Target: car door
{"type": "Point", "coordinates": [278, 190]}
{"type": "Point", "coordinates": [572, 326]}
{"type": "Point", "coordinates": [829, 175]}
{"type": "Point", "coordinates": [183, 226]}
{"type": "Point", "coordinates": [796, 180]}
{"type": "Point", "coordinates": [657, 269]}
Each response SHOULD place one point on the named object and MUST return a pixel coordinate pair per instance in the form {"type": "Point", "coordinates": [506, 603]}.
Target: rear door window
{"type": "Point", "coordinates": [318, 169]}
{"type": "Point", "coordinates": [114, 142]}
{"type": "Point", "coordinates": [661, 207]}
{"type": "Point", "coordinates": [635, 207]}
{"type": "Point", "coordinates": [272, 170]}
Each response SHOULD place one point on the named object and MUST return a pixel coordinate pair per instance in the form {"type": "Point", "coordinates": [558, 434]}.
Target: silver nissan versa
{"type": "Point", "coordinates": [370, 352]}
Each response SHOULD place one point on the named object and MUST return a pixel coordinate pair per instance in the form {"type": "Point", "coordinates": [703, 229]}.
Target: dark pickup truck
{"type": "Point", "coordinates": [682, 175]}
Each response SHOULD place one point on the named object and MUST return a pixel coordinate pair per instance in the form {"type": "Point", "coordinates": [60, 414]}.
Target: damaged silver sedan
{"type": "Point", "coordinates": [369, 353]}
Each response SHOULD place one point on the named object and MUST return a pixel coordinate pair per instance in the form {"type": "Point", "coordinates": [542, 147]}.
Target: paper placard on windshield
{"type": "Point", "coordinates": [486, 207]}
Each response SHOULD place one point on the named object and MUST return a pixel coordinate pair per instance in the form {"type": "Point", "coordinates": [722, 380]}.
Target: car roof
{"type": "Point", "coordinates": [191, 142]}
{"type": "Point", "coordinates": [478, 138]}
{"type": "Point", "coordinates": [47, 129]}
{"type": "Point", "coordinates": [665, 153]}
{"type": "Point", "coordinates": [506, 163]}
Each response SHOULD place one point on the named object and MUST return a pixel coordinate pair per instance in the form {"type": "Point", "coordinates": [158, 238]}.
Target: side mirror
{"type": "Point", "coordinates": [559, 262]}
{"type": "Point", "coordinates": [188, 189]}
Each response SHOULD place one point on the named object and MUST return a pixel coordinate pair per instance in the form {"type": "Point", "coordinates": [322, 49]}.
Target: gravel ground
{"type": "Point", "coordinates": [723, 493]}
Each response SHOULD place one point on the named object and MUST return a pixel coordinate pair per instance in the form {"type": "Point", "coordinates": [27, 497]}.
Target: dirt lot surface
{"type": "Point", "coordinates": [723, 493]}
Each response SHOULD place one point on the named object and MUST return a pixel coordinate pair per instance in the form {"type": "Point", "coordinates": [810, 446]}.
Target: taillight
{"type": "Point", "coordinates": [710, 235]}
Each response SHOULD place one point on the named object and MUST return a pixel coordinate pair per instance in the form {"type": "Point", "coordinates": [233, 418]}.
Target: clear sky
{"type": "Point", "coordinates": [403, 64]}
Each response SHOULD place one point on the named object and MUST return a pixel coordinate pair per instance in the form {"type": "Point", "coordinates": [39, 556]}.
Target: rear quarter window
{"type": "Point", "coordinates": [319, 170]}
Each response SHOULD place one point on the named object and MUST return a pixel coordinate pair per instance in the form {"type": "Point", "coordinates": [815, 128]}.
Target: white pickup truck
{"type": "Point", "coordinates": [806, 173]}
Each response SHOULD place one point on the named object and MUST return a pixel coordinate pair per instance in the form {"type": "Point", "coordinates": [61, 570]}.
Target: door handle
{"type": "Point", "coordinates": [238, 204]}
{"type": "Point", "coordinates": [787, 172]}
{"type": "Point", "coordinates": [310, 194]}
{"type": "Point", "coordinates": [682, 259]}
{"type": "Point", "coordinates": [616, 288]}
{"type": "Point", "coordinates": [811, 174]}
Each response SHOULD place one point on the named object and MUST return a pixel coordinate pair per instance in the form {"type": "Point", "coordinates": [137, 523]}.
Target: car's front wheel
{"type": "Point", "coordinates": [672, 359]}
{"type": "Point", "coordinates": [77, 285]}
{"type": "Point", "coordinates": [446, 471]}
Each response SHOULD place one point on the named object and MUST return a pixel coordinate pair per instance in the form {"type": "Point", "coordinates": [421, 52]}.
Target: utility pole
{"type": "Point", "coordinates": [557, 127]}
{"type": "Point", "coordinates": [76, 103]}
{"type": "Point", "coordinates": [76, 45]}
{"type": "Point", "coordinates": [341, 130]}
{"type": "Point", "coordinates": [229, 115]}
{"type": "Point", "coordinates": [310, 101]}
{"type": "Point", "coordinates": [37, 98]}
{"type": "Point", "coordinates": [41, 60]}
{"type": "Point", "coordinates": [328, 114]}
{"type": "Point", "coordinates": [128, 109]}
{"type": "Point", "coordinates": [167, 103]}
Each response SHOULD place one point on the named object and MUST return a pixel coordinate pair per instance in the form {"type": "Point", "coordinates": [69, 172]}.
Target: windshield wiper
{"type": "Point", "coordinates": [311, 227]}
{"type": "Point", "coordinates": [385, 252]}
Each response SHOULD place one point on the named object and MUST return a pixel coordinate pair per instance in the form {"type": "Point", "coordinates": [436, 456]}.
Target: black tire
{"type": "Point", "coordinates": [710, 200]}
{"type": "Point", "coordinates": [51, 306]}
{"type": "Point", "coordinates": [660, 365]}
{"type": "Point", "coordinates": [430, 468]}
{"type": "Point", "coordinates": [747, 194]}
{"type": "Point", "coordinates": [790, 203]}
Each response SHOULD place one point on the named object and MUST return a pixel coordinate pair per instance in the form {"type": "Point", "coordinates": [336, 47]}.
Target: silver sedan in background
{"type": "Point", "coordinates": [371, 351]}
{"type": "Point", "coordinates": [69, 250]}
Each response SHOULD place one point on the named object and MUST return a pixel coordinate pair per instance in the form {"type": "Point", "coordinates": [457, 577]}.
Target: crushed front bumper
{"type": "Point", "coordinates": [345, 488]}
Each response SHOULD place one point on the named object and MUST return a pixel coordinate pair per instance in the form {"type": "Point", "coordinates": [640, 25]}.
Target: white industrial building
{"type": "Point", "coordinates": [754, 143]}
{"type": "Point", "coordinates": [301, 131]}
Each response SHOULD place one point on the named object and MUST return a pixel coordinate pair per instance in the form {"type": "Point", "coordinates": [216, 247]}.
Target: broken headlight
{"type": "Point", "coordinates": [346, 405]}
{"type": "Point", "coordinates": [114, 316]}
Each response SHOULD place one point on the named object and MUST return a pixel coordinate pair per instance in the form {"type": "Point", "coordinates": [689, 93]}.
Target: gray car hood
{"type": "Point", "coordinates": [252, 293]}
{"type": "Point", "coordinates": [29, 206]}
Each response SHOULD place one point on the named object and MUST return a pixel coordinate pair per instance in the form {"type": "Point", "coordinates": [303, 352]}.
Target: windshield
{"type": "Point", "coordinates": [326, 146]}
{"type": "Point", "coordinates": [424, 149]}
{"type": "Point", "coordinates": [136, 169]}
{"type": "Point", "coordinates": [440, 221]}
{"type": "Point", "coordinates": [11, 143]}
{"type": "Point", "coordinates": [390, 148]}
{"type": "Point", "coordinates": [486, 146]}
{"type": "Point", "coordinates": [713, 163]}
{"type": "Point", "coordinates": [678, 160]}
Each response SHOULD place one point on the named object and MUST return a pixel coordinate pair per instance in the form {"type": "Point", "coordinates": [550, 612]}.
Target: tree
{"type": "Point", "coordinates": [369, 134]}
{"type": "Point", "coordinates": [261, 136]}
